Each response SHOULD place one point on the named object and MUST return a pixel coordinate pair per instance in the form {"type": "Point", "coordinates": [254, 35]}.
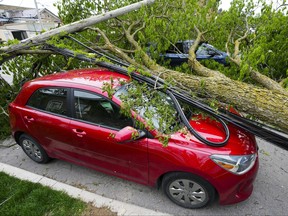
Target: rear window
{"type": "Point", "coordinates": [52, 100]}
{"type": "Point", "coordinates": [177, 48]}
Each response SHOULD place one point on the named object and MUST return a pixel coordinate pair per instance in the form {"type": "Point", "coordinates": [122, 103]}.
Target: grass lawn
{"type": "Point", "coordinates": [18, 197]}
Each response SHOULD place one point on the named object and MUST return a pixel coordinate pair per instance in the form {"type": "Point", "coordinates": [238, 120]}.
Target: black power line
{"type": "Point", "coordinates": [267, 133]}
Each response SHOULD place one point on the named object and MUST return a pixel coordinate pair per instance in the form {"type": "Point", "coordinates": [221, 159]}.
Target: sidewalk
{"type": "Point", "coordinates": [98, 201]}
{"type": "Point", "coordinates": [268, 197]}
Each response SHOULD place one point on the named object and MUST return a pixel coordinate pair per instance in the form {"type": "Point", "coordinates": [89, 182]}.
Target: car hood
{"type": "Point", "coordinates": [239, 143]}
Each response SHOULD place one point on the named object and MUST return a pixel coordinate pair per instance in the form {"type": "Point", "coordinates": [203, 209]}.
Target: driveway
{"type": "Point", "coordinates": [269, 196]}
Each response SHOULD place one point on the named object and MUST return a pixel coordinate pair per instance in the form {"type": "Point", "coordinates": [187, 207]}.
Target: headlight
{"type": "Point", "coordinates": [235, 164]}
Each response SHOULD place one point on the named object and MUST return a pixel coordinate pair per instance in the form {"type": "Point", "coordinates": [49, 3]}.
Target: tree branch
{"type": "Point", "coordinates": [119, 39]}
{"type": "Point", "coordinates": [227, 42]}
{"type": "Point", "coordinates": [282, 5]}
{"type": "Point", "coordinates": [193, 48]}
{"type": "Point", "coordinates": [267, 82]}
{"type": "Point", "coordinates": [160, 16]}
{"type": "Point", "coordinates": [25, 52]}
{"type": "Point", "coordinates": [127, 51]}
{"type": "Point", "coordinates": [237, 42]}
{"type": "Point", "coordinates": [147, 61]}
{"type": "Point", "coordinates": [255, 75]}
{"type": "Point", "coordinates": [139, 29]}
{"type": "Point", "coordinates": [227, 49]}
{"type": "Point", "coordinates": [4, 112]}
{"type": "Point", "coordinates": [195, 64]}
{"type": "Point", "coordinates": [34, 52]}
{"type": "Point", "coordinates": [237, 45]}
{"type": "Point", "coordinates": [118, 51]}
{"type": "Point", "coordinates": [132, 26]}
{"type": "Point", "coordinates": [282, 83]}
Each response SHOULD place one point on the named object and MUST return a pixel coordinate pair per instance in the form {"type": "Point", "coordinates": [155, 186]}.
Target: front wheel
{"type": "Point", "coordinates": [33, 149]}
{"type": "Point", "coordinates": [187, 190]}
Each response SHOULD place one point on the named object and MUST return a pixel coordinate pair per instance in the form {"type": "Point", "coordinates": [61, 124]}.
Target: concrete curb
{"type": "Point", "coordinates": [7, 142]}
{"type": "Point", "coordinates": [98, 201]}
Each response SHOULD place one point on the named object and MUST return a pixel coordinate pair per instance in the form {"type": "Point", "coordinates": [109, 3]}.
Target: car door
{"type": "Point", "coordinates": [48, 121]}
{"type": "Point", "coordinates": [95, 121]}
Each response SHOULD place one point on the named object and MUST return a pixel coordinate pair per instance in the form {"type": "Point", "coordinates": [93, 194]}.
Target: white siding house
{"type": "Point", "coordinates": [20, 23]}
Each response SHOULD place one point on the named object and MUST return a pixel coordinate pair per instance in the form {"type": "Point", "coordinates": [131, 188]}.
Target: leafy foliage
{"type": "Point", "coordinates": [155, 108]}
{"type": "Point", "coordinates": [167, 22]}
{"type": "Point", "coordinates": [270, 44]}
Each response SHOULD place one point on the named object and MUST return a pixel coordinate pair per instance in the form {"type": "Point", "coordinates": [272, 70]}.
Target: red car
{"type": "Point", "coordinates": [67, 116]}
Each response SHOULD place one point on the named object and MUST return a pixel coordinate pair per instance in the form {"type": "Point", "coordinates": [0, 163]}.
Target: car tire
{"type": "Point", "coordinates": [187, 190]}
{"type": "Point", "coordinates": [33, 150]}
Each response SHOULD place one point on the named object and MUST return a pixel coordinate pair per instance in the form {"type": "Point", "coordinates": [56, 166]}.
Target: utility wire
{"type": "Point", "coordinates": [267, 133]}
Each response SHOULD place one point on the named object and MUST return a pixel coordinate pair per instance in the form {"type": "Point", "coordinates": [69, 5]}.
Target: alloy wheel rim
{"type": "Point", "coordinates": [32, 150]}
{"type": "Point", "coordinates": [187, 192]}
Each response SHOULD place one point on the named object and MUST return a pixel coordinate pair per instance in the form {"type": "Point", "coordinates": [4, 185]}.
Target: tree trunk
{"type": "Point", "coordinates": [267, 106]}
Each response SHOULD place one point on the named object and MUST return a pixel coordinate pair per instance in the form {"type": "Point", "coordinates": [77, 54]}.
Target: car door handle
{"type": "Point", "coordinates": [79, 132]}
{"type": "Point", "coordinates": [29, 118]}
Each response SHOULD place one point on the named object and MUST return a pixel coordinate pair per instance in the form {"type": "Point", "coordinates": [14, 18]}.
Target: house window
{"type": "Point", "coordinates": [19, 35]}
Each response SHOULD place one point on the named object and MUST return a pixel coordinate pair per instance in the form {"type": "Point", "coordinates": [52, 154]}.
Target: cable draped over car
{"type": "Point", "coordinates": [265, 132]}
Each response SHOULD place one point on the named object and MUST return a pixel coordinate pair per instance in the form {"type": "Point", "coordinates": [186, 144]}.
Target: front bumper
{"type": "Point", "coordinates": [233, 188]}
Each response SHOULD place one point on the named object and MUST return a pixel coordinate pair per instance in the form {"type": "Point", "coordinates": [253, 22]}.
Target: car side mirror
{"type": "Point", "coordinates": [128, 134]}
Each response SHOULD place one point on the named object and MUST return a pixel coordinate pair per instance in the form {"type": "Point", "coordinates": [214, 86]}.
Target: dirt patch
{"type": "Point", "coordinates": [81, 186]}
{"type": "Point", "coordinates": [92, 210]}
{"type": "Point", "coordinates": [7, 143]}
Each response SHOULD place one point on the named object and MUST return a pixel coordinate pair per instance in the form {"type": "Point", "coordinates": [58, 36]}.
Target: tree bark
{"type": "Point", "coordinates": [267, 82]}
{"type": "Point", "coordinates": [268, 106]}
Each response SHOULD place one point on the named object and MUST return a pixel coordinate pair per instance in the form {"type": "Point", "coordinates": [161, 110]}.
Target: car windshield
{"type": "Point", "coordinates": [162, 115]}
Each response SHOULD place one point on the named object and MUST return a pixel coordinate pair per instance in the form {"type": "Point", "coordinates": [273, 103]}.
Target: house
{"type": "Point", "coordinates": [21, 23]}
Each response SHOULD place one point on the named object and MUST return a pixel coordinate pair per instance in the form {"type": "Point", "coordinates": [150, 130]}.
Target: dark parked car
{"type": "Point", "coordinates": [178, 53]}
{"type": "Point", "coordinates": [69, 117]}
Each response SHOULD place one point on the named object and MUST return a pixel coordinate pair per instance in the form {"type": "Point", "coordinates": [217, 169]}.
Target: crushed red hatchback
{"type": "Point", "coordinates": [69, 117]}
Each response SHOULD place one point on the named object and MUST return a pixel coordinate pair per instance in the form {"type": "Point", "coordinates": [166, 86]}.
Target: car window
{"type": "Point", "coordinates": [187, 45]}
{"type": "Point", "coordinates": [53, 100]}
{"type": "Point", "coordinates": [202, 50]}
{"type": "Point", "coordinates": [96, 109]}
{"type": "Point", "coordinates": [177, 48]}
{"type": "Point", "coordinates": [206, 49]}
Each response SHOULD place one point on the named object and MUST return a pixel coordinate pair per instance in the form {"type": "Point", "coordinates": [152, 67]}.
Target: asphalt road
{"type": "Point", "coordinates": [268, 198]}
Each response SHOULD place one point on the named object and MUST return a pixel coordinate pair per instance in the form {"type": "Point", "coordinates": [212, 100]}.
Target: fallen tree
{"type": "Point", "coordinates": [268, 105]}
{"type": "Point", "coordinates": [127, 38]}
